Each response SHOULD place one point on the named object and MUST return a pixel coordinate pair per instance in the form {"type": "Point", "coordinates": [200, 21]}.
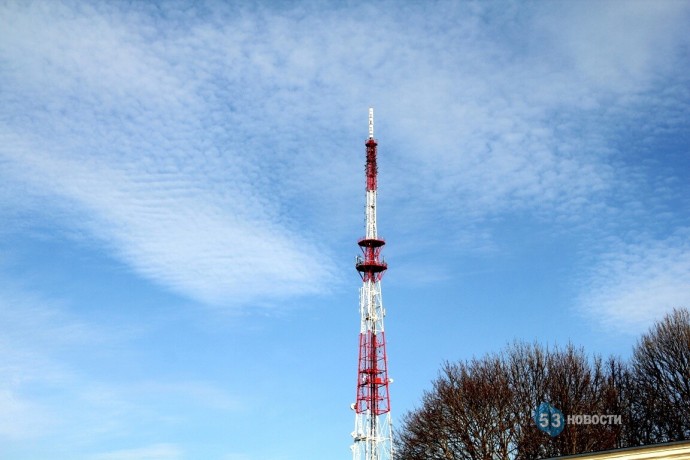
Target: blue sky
{"type": "Point", "coordinates": [182, 190]}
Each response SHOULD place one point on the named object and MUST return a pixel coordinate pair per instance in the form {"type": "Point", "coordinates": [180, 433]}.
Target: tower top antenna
{"type": "Point", "coordinates": [371, 122]}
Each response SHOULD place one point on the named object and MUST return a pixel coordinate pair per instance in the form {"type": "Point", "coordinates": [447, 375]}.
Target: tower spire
{"type": "Point", "coordinates": [371, 122]}
{"type": "Point", "coordinates": [373, 430]}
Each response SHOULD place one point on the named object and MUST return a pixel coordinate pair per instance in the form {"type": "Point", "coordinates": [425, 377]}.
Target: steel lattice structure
{"type": "Point", "coordinates": [373, 429]}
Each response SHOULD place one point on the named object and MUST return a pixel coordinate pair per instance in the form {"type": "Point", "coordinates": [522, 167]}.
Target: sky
{"type": "Point", "coordinates": [182, 191]}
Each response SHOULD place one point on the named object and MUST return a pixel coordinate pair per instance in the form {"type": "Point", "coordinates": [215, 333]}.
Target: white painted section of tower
{"type": "Point", "coordinates": [371, 122]}
{"type": "Point", "coordinates": [370, 211]}
{"type": "Point", "coordinates": [372, 445]}
{"type": "Point", "coordinates": [371, 307]}
{"type": "Point", "coordinates": [370, 214]}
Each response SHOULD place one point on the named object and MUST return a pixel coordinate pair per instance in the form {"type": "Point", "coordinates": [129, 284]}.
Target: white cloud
{"type": "Point", "coordinates": [197, 393]}
{"type": "Point", "coordinates": [152, 452]}
{"type": "Point", "coordinates": [208, 151]}
{"type": "Point", "coordinates": [33, 332]}
{"type": "Point", "coordinates": [635, 284]}
{"type": "Point", "coordinates": [153, 186]}
{"type": "Point", "coordinates": [21, 418]}
{"type": "Point", "coordinates": [488, 128]}
{"type": "Point", "coordinates": [236, 456]}
{"type": "Point", "coordinates": [175, 231]}
{"type": "Point", "coordinates": [617, 46]}
{"type": "Point", "coordinates": [48, 385]}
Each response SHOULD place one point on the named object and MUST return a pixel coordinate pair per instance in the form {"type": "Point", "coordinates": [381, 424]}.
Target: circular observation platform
{"type": "Point", "coordinates": [371, 242]}
{"type": "Point", "coordinates": [370, 266]}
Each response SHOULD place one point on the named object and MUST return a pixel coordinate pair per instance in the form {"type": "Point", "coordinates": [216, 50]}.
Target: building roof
{"type": "Point", "coordinates": [679, 450]}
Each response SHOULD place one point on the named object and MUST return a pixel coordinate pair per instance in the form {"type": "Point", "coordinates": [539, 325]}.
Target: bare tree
{"type": "Point", "coordinates": [617, 399]}
{"type": "Point", "coordinates": [570, 382]}
{"type": "Point", "coordinates": [661, 387]}
{"type": "Point", "coordinates": [484, 409]}
{"type": "Point", "coordinates": [577, 386]}
{"type": "Point", "coordinates": [467, 416]}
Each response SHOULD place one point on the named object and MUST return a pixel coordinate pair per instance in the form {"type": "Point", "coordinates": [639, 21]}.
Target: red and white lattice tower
{"type": "Point", "coordinates": [373, 430]}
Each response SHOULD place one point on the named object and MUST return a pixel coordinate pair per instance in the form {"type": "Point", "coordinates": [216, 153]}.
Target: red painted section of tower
{"type": "Point", "coordinates": [371, 167]}
{"type": "Point", "coordinates": [372, 388]}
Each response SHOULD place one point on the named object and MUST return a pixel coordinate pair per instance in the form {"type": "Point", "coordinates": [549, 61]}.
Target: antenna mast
{"type": "Point", "coordinates": [373, 429]}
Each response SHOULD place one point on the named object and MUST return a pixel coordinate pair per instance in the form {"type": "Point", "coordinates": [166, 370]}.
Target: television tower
{"type": "Point", "coordinates": [373, 429]}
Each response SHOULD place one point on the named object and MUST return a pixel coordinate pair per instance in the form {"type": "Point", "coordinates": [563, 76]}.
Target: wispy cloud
{"type": "Point", "coordinates": [235, 456]}
{"type": "Point", "coordinates": [169, 231]}
{"type": "Point", "coordinates": [533, 130]}
{"type": "Point", "coordinates": [635, 284]}
{"type": "Point", "coordinates": [152, 452]}
{"type": "Point", "coordinates": [210, 148]}
{"type": "Point", "coordinates": [134, 155]}
{"type": "Point", "coordinates": [33, 332]}
{"type": "Point", "coordinates": [613, 47]}
{"type": "Point", "coordinates": [22, 418]}
{"type": "Point", "coordinates": [50, 384]}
